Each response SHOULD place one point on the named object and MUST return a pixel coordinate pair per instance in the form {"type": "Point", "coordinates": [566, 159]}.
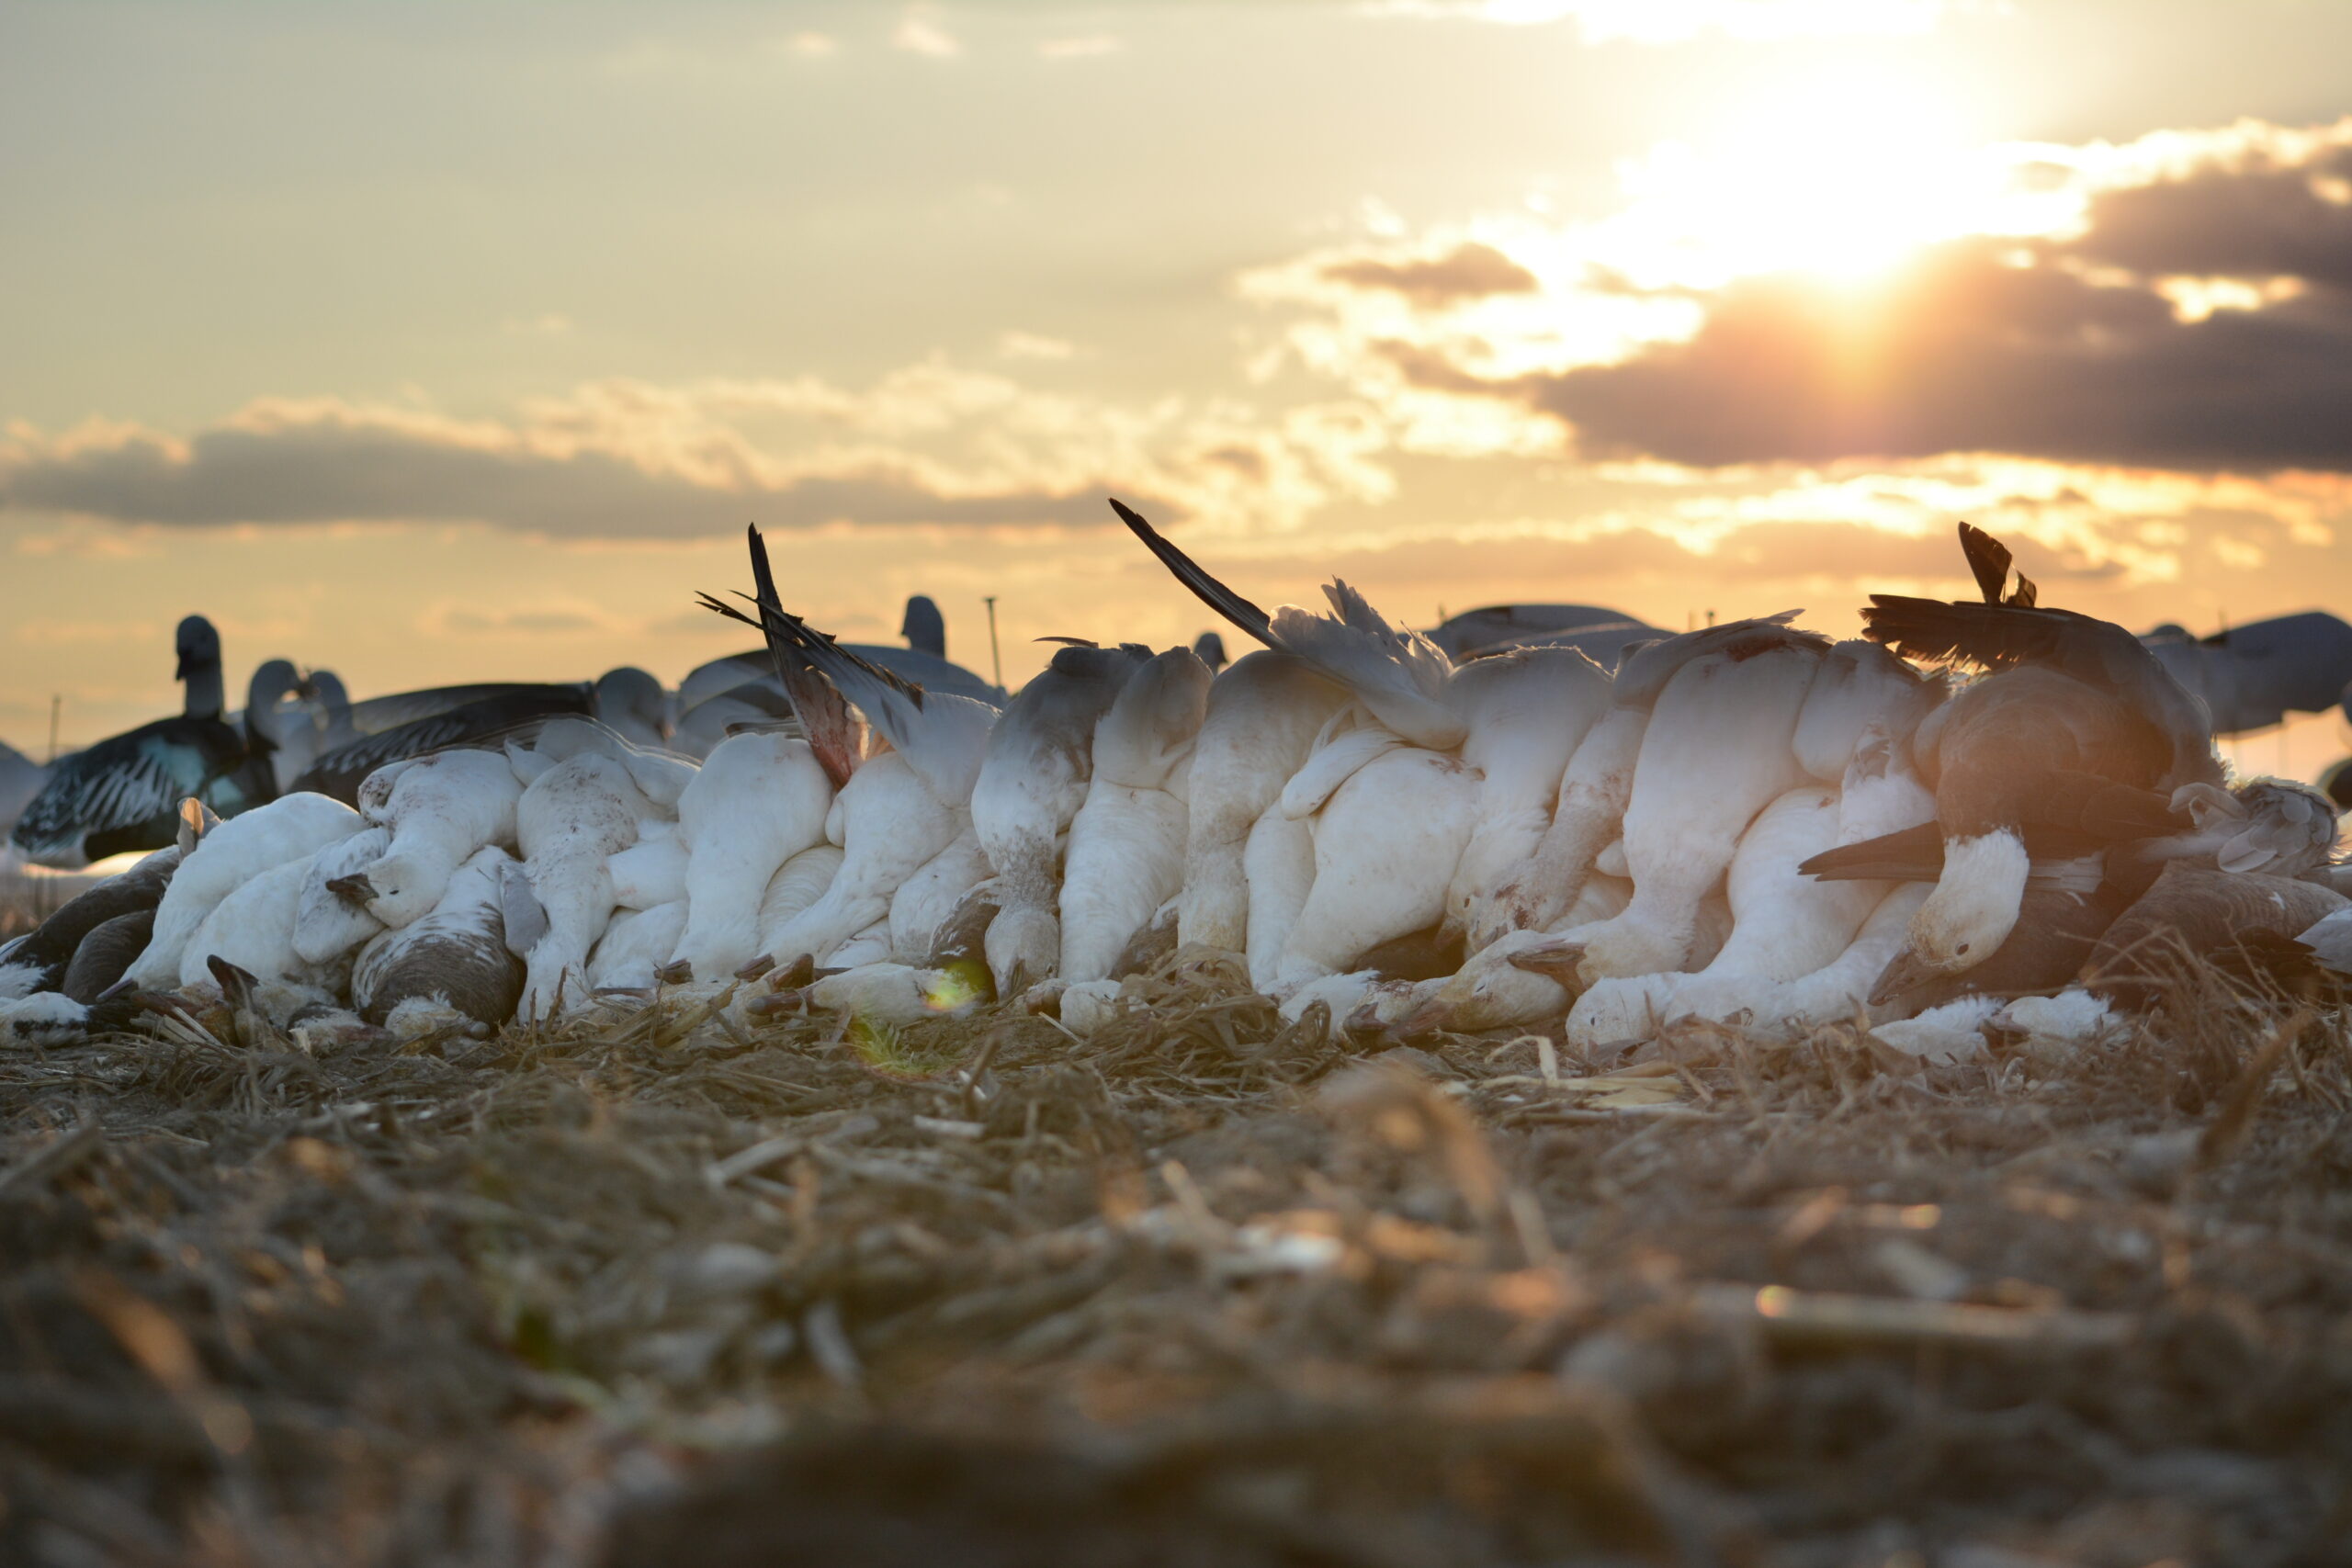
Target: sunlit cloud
{"type": "Point", "coordinates": [2176, 303]}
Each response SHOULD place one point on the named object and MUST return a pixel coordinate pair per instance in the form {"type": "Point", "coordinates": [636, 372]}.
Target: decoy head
{"type": "Point", "coordinates": [1966, 919]}
{"type": "Point", "coordinates": [633, 702]}
{"type": "Point", "coordinates": [324, 687]}
{"type": "Point", "coordinates": [1211, 649]}
{"type": "Point", "coordinates": [923, 626]}
{"type": "Point", "coordinates": [273, 681]}
{"type": "Point", "coordinates": [197, 645]}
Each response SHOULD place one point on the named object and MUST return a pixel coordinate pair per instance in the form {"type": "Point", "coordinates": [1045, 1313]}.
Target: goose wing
{"type": "Point", "coordinates": [487, 723]}
{"type": "Point", "coordinates": [124, 782]}
{"type": "Point", "coordinates": [1989, 561]}
{"type": "Point", "coordinates": [1189, 572]}
{"type": "Point", "coordinates": [2098, 653]}
{"type": "Point", "coordinates": [825, 720]}
{"type": "Point", "coordinates": [378, 714]}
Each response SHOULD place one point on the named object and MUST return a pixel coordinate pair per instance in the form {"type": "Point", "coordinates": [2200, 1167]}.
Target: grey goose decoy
{"type": "Point", "coordinates": [123, 794]}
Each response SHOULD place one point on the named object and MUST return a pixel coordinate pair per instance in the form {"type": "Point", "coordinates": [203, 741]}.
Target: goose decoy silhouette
{"type": "Point", "coordinates": [123, 794]}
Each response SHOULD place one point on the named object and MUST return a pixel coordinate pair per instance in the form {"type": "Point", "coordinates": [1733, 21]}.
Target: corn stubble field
{"type": "Point", "coordinates": [1205, 1290]}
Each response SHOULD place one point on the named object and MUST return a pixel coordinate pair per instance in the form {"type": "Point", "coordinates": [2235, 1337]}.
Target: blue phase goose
{"type": "Point", "coordinates": [2078, 736]}
{"type": "Point", "coordinates": [2012, 631]}
{"type": "Point", "coordinates": [124, 793]}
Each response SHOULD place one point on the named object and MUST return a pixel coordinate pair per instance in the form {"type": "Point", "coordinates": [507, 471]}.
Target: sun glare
{"type": "Point", "coordinates": [1842, 176]}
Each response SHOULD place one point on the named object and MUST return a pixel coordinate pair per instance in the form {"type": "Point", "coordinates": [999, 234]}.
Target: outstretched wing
{"type": "Point", "coordinates": [1189, 572]}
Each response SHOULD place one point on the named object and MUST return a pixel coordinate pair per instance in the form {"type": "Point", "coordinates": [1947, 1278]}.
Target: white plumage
{"type": "Point", "coordinates": [758, 801]}
{"type": "Point", "coordinates": [568, 824]}
{"type": "Point", "coordinates": [441, 809]}
{"type": "Point", "coordinates": [1125, 855]}
{"type": "Point", "coordinates": [1715, 752]}
{"type": "Point", "coordinates": [291, 828]}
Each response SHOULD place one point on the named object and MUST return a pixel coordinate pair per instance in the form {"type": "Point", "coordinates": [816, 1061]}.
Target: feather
{"type": "Point", "coordinates": [826, 722]}
{"type": "Point", "coordinates": [1188, 571]}
{"type": "Point", "coordinates": [1988, 559]}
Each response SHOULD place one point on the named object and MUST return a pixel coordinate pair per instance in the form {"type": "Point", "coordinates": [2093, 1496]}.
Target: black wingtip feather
{"type": "Point", "coordinates": [1189, 572]}
{"type": "Point", "coordinates": [1989, 559]}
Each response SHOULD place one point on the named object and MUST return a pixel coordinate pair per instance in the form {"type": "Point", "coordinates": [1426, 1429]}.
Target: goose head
{"type": "Point", "coordinates": [1966, 919]}
{"type": "Point", "coordinates": [265, 719]}
{"type": "Point", "coordinates": [197, 644]}
{"type": "Point", "coordinates": [400, 889]}
{"type": "Point", "coordinates": [1519, 978]}
{"type": "Point", "coordinates": [329, 706]}
{"type": "Point", "coordinates": [632, 701]}
{"type": "Point", "coordinates": [923, 626]}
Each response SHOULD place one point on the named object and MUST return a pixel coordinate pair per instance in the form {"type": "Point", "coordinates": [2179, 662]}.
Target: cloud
{"type": "Point", "coordinates": [931, 443]}
{"type": "Point", "coordinates": [2180, 302]}
{"type": "Point", "coordinates": [919, 33]}
{"type": "Point", "coordinates": [353, 465]}
{"type": "Point", "coordinates": [2270, 220]}
{"type": "Point", "coordinates": [1469, 271]}
{"type": "Point", "coordinates": [617, 460]}
{"type": "Point", "coordinates": [1967, 352]}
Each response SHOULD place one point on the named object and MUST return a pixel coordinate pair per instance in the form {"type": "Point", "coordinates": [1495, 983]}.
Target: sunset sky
{"type": "Point", "coordinates": [439, 342]}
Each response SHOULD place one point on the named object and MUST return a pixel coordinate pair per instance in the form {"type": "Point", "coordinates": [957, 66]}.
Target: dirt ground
{"type": "Point", "coordinates": [1204, 1291]}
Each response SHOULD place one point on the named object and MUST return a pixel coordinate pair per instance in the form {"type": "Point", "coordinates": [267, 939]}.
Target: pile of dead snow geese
{"type": "Point", "coordinates": [1982, 816]}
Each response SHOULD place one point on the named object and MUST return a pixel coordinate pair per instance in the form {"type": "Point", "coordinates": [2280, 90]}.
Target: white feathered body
{"type": "Point", "coordinates": [570, 822]}
{"type": "Point", "coordinates": [1264, 711]}
{"type": "Point", "coordinates": [291, 828]}
{"type": "Point", "coordinates": [759, 800]}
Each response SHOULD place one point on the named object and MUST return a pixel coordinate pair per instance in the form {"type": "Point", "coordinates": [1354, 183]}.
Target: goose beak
{"type": "Point", "coordinates": [680, 973]}
{"type": "Point", "coordinates": [1904, 973]}
{"type": "Point", "coordinates": [1555, 961]}
{"type": "Point", "coordinates": [355, 890]}
{"type": "Point", "coordinates": [1426, 1019]}
{"type": "Point", "coordinates": [755, 968]}
{"type": "Point", "coordinates": [237, 985]}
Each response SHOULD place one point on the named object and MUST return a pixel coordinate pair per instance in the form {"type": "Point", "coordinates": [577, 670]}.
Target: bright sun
{"type": "Point", "coordinates": [1843, 176]}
